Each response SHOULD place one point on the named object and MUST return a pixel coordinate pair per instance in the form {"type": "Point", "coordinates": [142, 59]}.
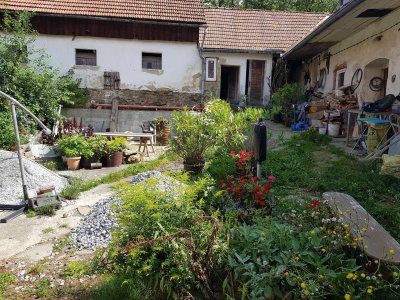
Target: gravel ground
{"type": "Point", "coordinates": [94, 230]}
{"type": "Point", "coordinates": [36, 176]}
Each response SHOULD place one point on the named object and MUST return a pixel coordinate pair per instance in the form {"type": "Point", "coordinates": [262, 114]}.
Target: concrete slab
{"type": "Point", "coordinates": [36, 253]}
{"type": "Point", "coordinates": [376, 241]}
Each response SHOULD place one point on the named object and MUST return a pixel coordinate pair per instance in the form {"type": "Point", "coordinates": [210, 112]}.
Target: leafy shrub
{"type": "Point", "coordinates": [94, 146]}
{"type": "Point", "coordinates": [7, 136]}
{"type": "Point", "coordinates": [163, 245]}
{"type": "Point", "coordinates": [285, 97]}
{"type": "Point", "coordinates": [304, 251]}
{"type": "Point", "coordinates": [71, 146]}
{"type": "Point", "coordinates": [115, 145]}
{"type": "Point", "coordinates": [76, 269]}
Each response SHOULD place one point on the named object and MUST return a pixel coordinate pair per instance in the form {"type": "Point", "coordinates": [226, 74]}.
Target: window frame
{"type": "Point", "coordinates": [86, 51]}
{"type": "Point", "coordinates": [339, 73]}
{"type": "Point", "coordinates": [214, 60]}
{"type": "Point", "coordinates": [154, 55]}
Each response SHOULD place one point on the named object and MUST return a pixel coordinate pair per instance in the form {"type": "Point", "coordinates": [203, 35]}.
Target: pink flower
{"type": "Point", "coordinates": [271, 178]}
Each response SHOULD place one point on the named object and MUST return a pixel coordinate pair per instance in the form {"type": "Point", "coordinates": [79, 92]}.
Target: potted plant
{"type": "Point", "coordinates": [93, 150]}
{"type": "Point", "coordinates": [163, 129]}
{"type": "Point", "coordinates": [193, 137]}
{"type": "Point", "coordinates": [71, 148]}
{"type": "Point", "coordinates": [114, 152]}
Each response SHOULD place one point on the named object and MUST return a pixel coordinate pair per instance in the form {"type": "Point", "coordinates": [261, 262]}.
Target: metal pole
{"type": "Point", "coordinates": [21, 165]}
{"type": "Point", "coordinates": [258, 169]}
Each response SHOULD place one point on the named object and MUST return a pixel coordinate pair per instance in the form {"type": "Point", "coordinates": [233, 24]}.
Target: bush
{"type": "Point", "coordinates": [115, 145]}
{"type": "Point", "coordinates": [7, 136]}
{"type": "Point", "coordinates": [285, 97]}
{"type": "Point", "coordinates": [94, 146]}
{"type": "Point", "coordinates": [163, 246]}
{"type": "Point", "coordinates": [71, 146]}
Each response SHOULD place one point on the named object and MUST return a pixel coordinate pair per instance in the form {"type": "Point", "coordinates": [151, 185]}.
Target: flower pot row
{"type": "Point", "coordinates": [92, 152]}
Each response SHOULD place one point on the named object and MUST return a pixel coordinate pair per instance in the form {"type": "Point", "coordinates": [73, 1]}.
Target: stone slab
{"type": "Point", "coordinates": [377, 240]}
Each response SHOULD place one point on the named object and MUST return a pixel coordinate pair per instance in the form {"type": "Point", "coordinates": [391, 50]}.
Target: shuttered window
{"type": "Point", "coordinates": [85, 57]}
{"type": "Point", "coordinates": [151, 61]}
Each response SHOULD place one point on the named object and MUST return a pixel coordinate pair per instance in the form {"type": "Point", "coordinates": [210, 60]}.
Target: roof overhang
{"type": "Point", "coordinates": [224, 50]}
{"type": "Point", "coordinates": [342, 24]}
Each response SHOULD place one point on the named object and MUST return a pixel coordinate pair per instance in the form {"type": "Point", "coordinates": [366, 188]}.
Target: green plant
{"type": "Point", "coordinates": [36, 269]}
{"type": "Point", "coordinates": [71, 146]}
{"type": "Point", "coordinates": [76, 269]}
{"type": "Point", "coordinates": [94, 146]}
{"type": "Point", "coordinates": [160, 121]}
{"type": "Point", "coordinates": [286, 97]}
{"type": "Point", "coordinates": [115, 145]}
{"type": "Point", "coordinates": [163, 244]}
{"type": "Point", "coordinates": [194, 136]}
{"type": "Point", "coordinates": [46, 210]}
{"type": "Point", "coordinates": [6, 279]}
{"type": "Point", "coordinates": [43, 288]}
{"type": "Point", "coordinates": [73, 190]}
{"type": "Point", "coordinates": [48, 230]}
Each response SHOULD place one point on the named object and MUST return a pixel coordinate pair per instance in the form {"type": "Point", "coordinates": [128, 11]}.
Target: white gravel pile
{"type": "Point", "coordinates": [36, 176]}
{"type": "Point", "coordinates": [95, 230]}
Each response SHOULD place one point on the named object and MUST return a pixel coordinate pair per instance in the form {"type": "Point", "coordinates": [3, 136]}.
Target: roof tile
{"type": "Point", "coordinates": [186, 11]}
{"type": "Point", "coordinates": [256, 30]}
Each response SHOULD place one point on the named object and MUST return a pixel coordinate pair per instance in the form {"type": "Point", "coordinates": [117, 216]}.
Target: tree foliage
{"type": "Point", "coordinates": [26, 75]}
{"type": "Point", "coordinates": [25, 72]}
{"type": "Point", "coordinates": [288, 5]}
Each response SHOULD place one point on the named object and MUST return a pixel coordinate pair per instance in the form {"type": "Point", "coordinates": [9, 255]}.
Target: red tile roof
{"type": "Point", "coordinates": [257, 30]}
{"type": "Point", "coordinates": [186, 11]}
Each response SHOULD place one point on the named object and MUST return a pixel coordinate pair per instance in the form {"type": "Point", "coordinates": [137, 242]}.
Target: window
{"type": "Point", "coordinates": [152, 61]}
{"type": "Point", "coordinates": [340, 78]}
{"type": "Point", "coordinates": [84, 57]}
{"type": "Point", "coordinates": [211, 69]}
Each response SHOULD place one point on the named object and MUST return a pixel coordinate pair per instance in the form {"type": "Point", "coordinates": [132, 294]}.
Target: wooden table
{"type": "Point", "coordinates": [144, 137]}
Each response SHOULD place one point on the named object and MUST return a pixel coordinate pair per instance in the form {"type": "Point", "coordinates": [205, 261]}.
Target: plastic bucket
{"type": "Point", "coordinates": [333, 129]}
{"type": "Point", "coordinates": [377, 134]}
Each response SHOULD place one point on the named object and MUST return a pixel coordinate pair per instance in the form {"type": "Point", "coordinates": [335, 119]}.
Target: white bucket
{"type": "Point", "coordinates": [333, 129]}
{"type": "Point", "coordinates": [322, 130]}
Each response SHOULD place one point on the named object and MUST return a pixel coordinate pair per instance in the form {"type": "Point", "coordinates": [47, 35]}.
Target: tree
{"type": "Point", "coordinates": [288, 5]}
{"type": "Point", "coordinates": [26, 75]}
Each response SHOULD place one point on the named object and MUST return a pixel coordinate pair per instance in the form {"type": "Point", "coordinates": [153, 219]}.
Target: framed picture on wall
{"type": "Point", "coordinates": [211, 69]}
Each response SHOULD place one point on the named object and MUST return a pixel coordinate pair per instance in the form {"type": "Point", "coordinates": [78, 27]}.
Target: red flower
{"type": "Point", "coordinates": [315, 204]}
{"type": "Point", "coordinates": [240, 164]}
{"type": "Point", "coordinates": [257, 189]}
{"type": "Point", "coordinates": [238, 191]}
{"type": "Point", "coordinates": [267, 188]}
{"type": "Point", "coordinates": [255, 178]}
{"type": "Point", "coordinates": [243, 154]}
{"type": "Point", "coordinates": [222, 182]}
{"type": "Point", "coordinates": [262, 203]}
{"type": "Point", "coordinates": [233, 153]}
{"type": "Point", "coordinates": [258, 196]}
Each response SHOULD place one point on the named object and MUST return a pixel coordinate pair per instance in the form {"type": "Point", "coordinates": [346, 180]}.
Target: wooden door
{"type": "Point", "coordinates": [256, 82]}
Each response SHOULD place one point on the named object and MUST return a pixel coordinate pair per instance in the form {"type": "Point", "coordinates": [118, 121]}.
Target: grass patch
{"type": "Point", "coordinates": [6, 279]}
{"type": "Point", "coordinates": [77, 186]}
{"type": "Point", "coordinates": [36, 269]}
{"type": "Point", "coordinates": [61, 244]}
{"type": "Point", "coordinates": [313, 165]}
{"type": "Point", "coordinates": [43, 288]}
{"type": "Point", "coordinates": [48, 230]}
{"type": "Point", "coordinates": [76, 269]}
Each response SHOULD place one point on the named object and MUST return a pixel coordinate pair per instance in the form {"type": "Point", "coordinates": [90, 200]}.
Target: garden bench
{"type": "Point", "coordinates": [377, 242]}
{"type": "Point", "coordinates": [144, 137]}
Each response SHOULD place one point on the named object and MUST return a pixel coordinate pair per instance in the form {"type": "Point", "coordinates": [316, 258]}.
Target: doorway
{"type": "Point", "coordinates": [229, 83]}
{"type": "Point", "coordinates": [256, 82]}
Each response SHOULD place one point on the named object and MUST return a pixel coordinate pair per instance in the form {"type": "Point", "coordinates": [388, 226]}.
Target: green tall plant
{"type": "Point", "coordinates": [26, 75]}
{"type": "Point", "coordinates": [285, 97]}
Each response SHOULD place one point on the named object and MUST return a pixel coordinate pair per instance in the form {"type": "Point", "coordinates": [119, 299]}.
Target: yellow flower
{"type": "Point", "coordinates": [347, 297]}
{"type": "Point", "coordinates": [350, 276]}
{"type": "Point", "coordinates": [395, 274]}
{"type": "Point", "coordinates": [391, 251]}
{"type": "Point", "coordinates": [312, 232]}
{"type": "Point", "coordinates": [376, 261]}
{"type": "Point", "coordinates": [303, 285]}
{"type": "Point", "coordinates": [369, 291]}
{"type": "Point", "coordinates": [362, 275]}
{"type": "Point", "coordinates": [346, 225]}
{"type": "Point", "coordinates": [306, 293]}
{"type": "Point", "coordinates": [364, 229]}
{"type": "Point", "coordinates": [286, 274]}
{"type": "Point", "coordinates": [323, 250]}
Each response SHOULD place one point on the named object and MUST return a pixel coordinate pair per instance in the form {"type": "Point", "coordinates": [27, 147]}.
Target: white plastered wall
{"type": "Point", "coordinates": [240, 60]}
{"type": "Point", "coordinates": [181, 64]}
{"type": "Point", "coordinates": [359, 56]}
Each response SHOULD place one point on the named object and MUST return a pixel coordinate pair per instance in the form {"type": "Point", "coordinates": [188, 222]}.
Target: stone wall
{"type": "Point", "coordinates": [158, 97]}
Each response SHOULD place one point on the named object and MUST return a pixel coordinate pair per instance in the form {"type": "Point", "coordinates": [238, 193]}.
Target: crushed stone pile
{"type": "Point", "coordinates": [95, 230]}
{"type": "Point", "coordinates": [36, 175]}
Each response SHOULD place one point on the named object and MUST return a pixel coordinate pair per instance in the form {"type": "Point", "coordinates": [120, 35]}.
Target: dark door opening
{"type": "Point", "coordinates": [229, 83]}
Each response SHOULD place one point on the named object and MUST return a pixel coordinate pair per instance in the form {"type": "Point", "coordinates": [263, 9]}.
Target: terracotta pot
{"type": "Point", "coordinates": [194, 169]}
{"type": "Point", "coordinates": [115, 159]}
{"type": "Point", "coordinates": [73, 163]}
